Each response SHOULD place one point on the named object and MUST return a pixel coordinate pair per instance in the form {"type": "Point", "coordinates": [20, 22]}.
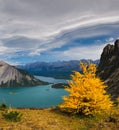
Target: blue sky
{"type": "Point", "coordinates": [43, 30]}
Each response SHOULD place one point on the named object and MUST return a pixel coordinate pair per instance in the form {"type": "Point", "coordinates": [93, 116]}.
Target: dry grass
{"type": "Point", "coordinates": [52, 119]}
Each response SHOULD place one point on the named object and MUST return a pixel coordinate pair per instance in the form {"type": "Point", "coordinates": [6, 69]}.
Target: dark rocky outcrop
{"type": "Point", "coordinates": [108, 69]}
{"type": "Point", "coordinates": [12, 77]}
{"type": "Point", "coordinates": [59, 85]}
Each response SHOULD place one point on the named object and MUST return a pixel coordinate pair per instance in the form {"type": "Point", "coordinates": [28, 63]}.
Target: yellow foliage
{"type": "Point", "coordinates": [118, 99]}
{"type": "Point", "coordinates": [87, 93]}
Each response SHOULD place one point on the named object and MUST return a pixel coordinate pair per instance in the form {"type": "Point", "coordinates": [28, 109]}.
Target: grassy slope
{"type": "Point", "coordinates": [51, 119]}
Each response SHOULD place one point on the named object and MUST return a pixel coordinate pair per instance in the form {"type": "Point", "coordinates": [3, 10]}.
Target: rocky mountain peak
{"type": "Point", "coordinates": [13, 77]}
{"type": "Point", "coordinates": [108, 69]}
{"type": "Point", "coordinates": [116, 47]}
{"type": "Point", "coordinates": [3, 63]}
{"type": "Point", "coordinates": [108, 49]}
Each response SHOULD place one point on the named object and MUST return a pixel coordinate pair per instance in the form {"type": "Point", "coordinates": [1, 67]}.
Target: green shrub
{"type": "Point", "coordinates": [14, 116]}
{"type": "Point", "coordinates": [3, 106]}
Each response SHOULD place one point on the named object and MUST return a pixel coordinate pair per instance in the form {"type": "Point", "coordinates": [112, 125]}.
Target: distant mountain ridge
{"type": "Point", "coordinates": [13, 77]}
{"type": "Point", "coordinates": [108, 69]}
{"type": "Point", "coordinates": [59, 69]}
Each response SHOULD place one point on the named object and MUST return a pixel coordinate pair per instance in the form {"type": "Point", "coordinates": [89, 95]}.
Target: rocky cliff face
{"type": "Point", "coordinates": [12, 77]}
{"type": "Point", "coordinates": [108, 69]}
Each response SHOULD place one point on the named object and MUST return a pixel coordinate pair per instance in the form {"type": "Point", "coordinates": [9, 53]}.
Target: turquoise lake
{"type": "Point", "coordinates": [33, 97]}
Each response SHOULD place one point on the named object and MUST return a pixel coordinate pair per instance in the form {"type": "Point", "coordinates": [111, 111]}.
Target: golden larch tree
{"type": "Point", "coordinates": [87, 93]}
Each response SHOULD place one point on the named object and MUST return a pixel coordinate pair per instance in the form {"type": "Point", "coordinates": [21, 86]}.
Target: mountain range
{"type": "Point", "coordinates": [59, 69]}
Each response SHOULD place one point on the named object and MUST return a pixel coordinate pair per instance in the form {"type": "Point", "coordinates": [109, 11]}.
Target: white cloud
{"type": "Point", "coordinates": [36, 52]}
{"type": "Point", "coordinates": [110, 40]}
{"type": "Point", "coordinates": [3, 49]}
{"type": "Point", "coordinates": [36, 26]}
{"type": "Point", "coordinates": [84, 52]}
{"type": "Point", "coordinates": [42, 19]}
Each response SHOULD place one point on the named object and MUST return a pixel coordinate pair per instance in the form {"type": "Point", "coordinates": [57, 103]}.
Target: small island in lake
{"type": "Point", "coordinates": [59, 85]}
{"type": "Point", "coordinates": [12, 92]}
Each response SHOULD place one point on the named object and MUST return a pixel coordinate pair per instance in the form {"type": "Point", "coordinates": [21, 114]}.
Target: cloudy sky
{"type": "Point", "coordinates": [51, 30]}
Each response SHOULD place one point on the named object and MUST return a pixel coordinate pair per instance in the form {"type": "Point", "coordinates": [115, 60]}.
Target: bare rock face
{"type": "Point", "coordinates": [108, 69]}
{"type": "Point", "coordinates": [12, 77]}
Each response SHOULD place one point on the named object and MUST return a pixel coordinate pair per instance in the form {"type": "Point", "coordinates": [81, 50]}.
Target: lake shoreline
{"type": "Point", "coordinates": [41, 96]}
